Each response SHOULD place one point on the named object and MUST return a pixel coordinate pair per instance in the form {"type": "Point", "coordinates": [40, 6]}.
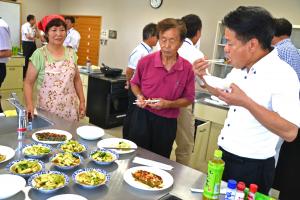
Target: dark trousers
{"type": "Point", "coordinates": [260, 172]}
{"type": "Point", "coordinates": [131, 107]}
{"type": "Point", "coordinates": [2, 77]}
{"type": "Point", "coordinates": [28, 49]}
{"type": "Point", "coordinates": [287, 174]}
{"type": "Point", "coordinates": [153, 132]}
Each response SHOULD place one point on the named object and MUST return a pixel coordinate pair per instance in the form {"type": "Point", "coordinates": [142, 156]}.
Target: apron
{"type": "Point", "coordinates": [57, 93]}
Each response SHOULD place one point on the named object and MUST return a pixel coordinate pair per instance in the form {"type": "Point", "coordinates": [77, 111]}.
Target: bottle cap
{"type": "Point", "coordinates": [241, 186]}
{"type": "Point", "coordinates": [218, 153]}
{"type": "Point", "coordinates": [253, 188]}
{"type": "Point", "coordinates": [231, 184]}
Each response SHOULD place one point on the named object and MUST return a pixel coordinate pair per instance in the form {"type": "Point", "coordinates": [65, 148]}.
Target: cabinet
{"type": "Point", "coordinates": [14, 78]}
{"type": "Point", "coordinates": [85, 82]}
{"type": "Point", "coordinates": [220, 69]}
{"type": "Point", "coordinates": [207, 134]}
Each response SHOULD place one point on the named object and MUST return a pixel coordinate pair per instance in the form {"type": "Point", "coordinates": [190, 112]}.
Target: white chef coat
{"type": "Point", "coordinates": [72, 39]}
{"type": "Point", "coordinates": [189, 52]}
{"type": "Point", "coordinates": [140, 51]}
{"type": "Point", "coordinates": [273, 84]}
{"type": "Point", "coordinates": [5, 39]}
{"type": "Point", "coordinates": [27, 29]}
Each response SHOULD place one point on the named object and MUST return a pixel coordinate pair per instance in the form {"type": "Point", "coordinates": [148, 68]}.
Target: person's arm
{"type": "Point", "coordinates": [80, 94]}
{"type": "Point", "coordinates": [5, 53]}
{"type": "Point", "coordinates": [269, 119]}
{"type": "Point", "coordinates": [29, 81]}
{"type": "Point", "coordinates": [129, 73]}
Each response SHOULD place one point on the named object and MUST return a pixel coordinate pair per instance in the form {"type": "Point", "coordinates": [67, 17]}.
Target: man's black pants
{"type": "Point", "coordinates": [258, 171]}
{"type": "Point", "coordinates": [153, 132]}
{"type": "Point", "coordinates": [129, 113]}
{"type": "Point", "coordinates": [28, 49]}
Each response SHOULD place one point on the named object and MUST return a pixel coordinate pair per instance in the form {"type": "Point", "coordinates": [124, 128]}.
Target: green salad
{"type": "Point", "coordinates": [26, 167]}
{"type": "Point", "coordinates": [92, 178]}
{"type": "Point", "coordinates": [65, 159]}
{"type": "Point", "coordinates": [72, 146]}
{"type": "Point", "coordinates": [49, 181]}
{"type": "Point", "coordinates": [102, 156]}
{"type": "Point", "coordinates": [36, 150]}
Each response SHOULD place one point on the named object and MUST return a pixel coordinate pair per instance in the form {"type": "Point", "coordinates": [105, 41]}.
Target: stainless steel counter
{"type": "Point", "coordinates": [117, 188]}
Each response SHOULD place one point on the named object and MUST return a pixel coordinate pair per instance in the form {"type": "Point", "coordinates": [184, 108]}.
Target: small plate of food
{"type": "Point", "coordinates": [72, 146]}
{"type": "Point", "coordinates": [10, 185]}
{"type": "Point", "coordinates": [25, 167]}
{"type": "Point", "coordinates": [51, 136]}
{"type": "Point", "coordinates": [148, 178]}
{"type": "Point", "coordinates": [6, 153]}
{"type": "Point", "coordinates": [36, 150]}
{"type": "Point", "coordinates": [121, 146]}
{"type": "Point", "coordinates": [90, 177]}
{"type": "Point", "coordinates": [104, 156]}
{"type": "Point", "coordinates": [66, 160]}
{"type": "Point", "coordinates": [90, 132]}
{"type": "Point", "coordinates": [48, 182]}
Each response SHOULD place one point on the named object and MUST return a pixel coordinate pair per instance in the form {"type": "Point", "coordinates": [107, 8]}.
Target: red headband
{"type": "Point", "coordinates": [43, 23]}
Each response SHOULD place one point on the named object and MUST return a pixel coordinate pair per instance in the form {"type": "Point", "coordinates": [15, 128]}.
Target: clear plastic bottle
{"type": "Point", "coordinates": [214, 177]}
{"type": "Point", "coordinates": [252, 191]}
{"type": "Point", "coordinates": [240, 195]}
{"type": "Point", "coordinates": [231, 190]}
{"type": "Point", "coordinates": [88, 65]}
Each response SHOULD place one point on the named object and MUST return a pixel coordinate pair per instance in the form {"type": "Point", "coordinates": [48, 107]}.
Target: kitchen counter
{"type": "Point", "coordinates": [117, 188]}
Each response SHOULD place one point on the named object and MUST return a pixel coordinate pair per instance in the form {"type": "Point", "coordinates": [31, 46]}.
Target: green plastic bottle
{"type": "Point", "coordinates": [214, 177]}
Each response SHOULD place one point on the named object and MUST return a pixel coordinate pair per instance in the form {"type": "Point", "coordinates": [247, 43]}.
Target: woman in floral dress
{"type": "Point", "coordinates": [53, 68]}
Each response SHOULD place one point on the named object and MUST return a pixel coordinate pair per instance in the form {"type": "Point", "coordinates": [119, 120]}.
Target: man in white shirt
{"type": "Point", "coordinates": [5, 51]}
{"type": "Point", "coordinates": [29, 34]}
{"type": "Point", "coordinates": [144, 48]}
{"type": "Point", "coordinates": [186, 121]}
{"type": "Point", "coordinates": [262, 109]}
{"type": "Point", "coordinates": [73, 37]}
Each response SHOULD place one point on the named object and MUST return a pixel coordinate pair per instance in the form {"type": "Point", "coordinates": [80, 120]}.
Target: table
{"type": "Point", "coordinates": [184, 177]}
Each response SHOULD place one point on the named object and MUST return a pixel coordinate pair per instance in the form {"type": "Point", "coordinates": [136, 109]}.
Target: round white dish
{"type": "Point", "coordinates": [56, 131]}
{"type": "Point", "coordinates": [67, 197]}
{"type": "Point", "coordinates": [113, 142]}
{"type": "Point", "coordinates": [101, 171]}
{"type": "Point", "coordinates": [166, 177]}
{"type": "Point", "coordinates": [10, 185]}
{"type": "Point", "coordinates": [90, 132]}
{"type": "Point", "coordinates": [8, 152]}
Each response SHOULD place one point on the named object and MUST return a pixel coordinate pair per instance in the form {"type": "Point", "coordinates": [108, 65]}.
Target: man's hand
{"type": "Point", "coordinates": [140, 101]}
{"type": "Point", "coordinates": [159, 105]}
{"type": "Point", "coordinates": [200, 66]}
{"type": "Point", "coordinates": [235, 97]}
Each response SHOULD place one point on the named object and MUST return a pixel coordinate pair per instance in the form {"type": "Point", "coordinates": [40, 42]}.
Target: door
{"type": "Point", "coordinates": [89, 28]}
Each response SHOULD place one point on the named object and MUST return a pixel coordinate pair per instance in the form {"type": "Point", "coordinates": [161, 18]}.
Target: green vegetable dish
{"type": "Point", "coordinates": [2, 157]}
{"type": "Point", "coordinates": [65, 159]}
{"type": "Point", "coordinates": [91, 178]}
{"type": "Point", "coordinates": [72, 146]}
{"type": "Point", "coordinates": [26, 167]}
{"type": "Point", "coordinates": [36, 150]}
{"type": "Point", "coordinates": [102, 156]}
{"type": "Point", "coordinates": [49, 181]}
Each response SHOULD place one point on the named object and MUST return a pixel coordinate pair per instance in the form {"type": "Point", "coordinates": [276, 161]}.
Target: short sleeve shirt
{"type": "Point", "coordinates": [156, 82]}
{"type": "Point", "coordinates": [38, 61]}
{"type": "Point", "coordinates": [273, 84]}
{"type": "Point", "coordinates": [140, 51]}
{"type": "Point", "coordinates": [27, 29]}
{"type": "Point", "coordinates": [72, 39]}
{"type": "Point", "coordinates": [5, 39]}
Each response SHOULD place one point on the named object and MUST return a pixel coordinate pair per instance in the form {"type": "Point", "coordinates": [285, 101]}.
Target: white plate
{"type": "Point", "coordinates": [8, 152]}
{"type": "Point", "coordinates": [61, 132]}
{"type": "Point", "coordinates": [216, 82]}
{"type": "Point", "coordinates": [90, 132]}
{"type": "Point", "coordinates": [113, 142]}
{"type": "Point", "coordinates": [10, 185]}
{"type": "Point", "coordinates": [67, 197]}
{"type": "Point", "coordinates": [167, 178]}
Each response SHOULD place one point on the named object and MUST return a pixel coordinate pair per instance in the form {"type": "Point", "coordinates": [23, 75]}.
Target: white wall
{"type": "Point", "coordinates": [129, 16]}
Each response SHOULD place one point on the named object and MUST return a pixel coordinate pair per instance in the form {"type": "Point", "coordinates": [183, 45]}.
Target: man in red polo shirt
{"type": "Point", "coordinates": [168, 78]}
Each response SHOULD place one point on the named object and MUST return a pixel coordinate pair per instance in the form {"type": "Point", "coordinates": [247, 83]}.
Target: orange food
{"type": "Point", "coordinates": [148, 178]}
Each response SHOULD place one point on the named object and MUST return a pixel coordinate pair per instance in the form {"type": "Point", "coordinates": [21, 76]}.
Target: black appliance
{"type": "Point", "coordinates": [110, 72]}
{"type": "Point", "coordinates": [107, 100]}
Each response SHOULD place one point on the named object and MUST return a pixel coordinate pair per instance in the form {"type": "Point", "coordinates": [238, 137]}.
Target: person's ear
{"type": "Point", "coordinates": [253, 45]}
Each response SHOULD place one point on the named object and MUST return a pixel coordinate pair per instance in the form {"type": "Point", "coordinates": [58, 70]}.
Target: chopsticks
{"type": "Point", "coordinates": [120, 148]}
{"type": "Point", "coordinates": [215, 61]}
{"type": "Point", "coordinates": [148, 101]}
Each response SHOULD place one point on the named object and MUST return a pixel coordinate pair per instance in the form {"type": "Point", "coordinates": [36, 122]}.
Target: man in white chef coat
{"type": "Point", "coordinates": [263, 98]}
{"type": "Point", "coordinates": [186, 121]}
{"type": "Point", "coordinates": [73, 37]}
{"type": "Point", "coordinates": [144, 48]}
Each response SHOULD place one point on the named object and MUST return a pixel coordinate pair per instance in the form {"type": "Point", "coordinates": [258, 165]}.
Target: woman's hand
{"type": "Point", "coordinates": [30, 111]}
{"type": "Point", "coordinates": [81, 110]}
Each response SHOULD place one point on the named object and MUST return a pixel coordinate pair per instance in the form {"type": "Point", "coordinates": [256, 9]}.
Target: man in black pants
{"type": "Point", "coordinates": [29, 33]}
{"type": "Point", "coordinates": [261, 108]}
{"type": "Point", "coordinates": [5, 51]}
